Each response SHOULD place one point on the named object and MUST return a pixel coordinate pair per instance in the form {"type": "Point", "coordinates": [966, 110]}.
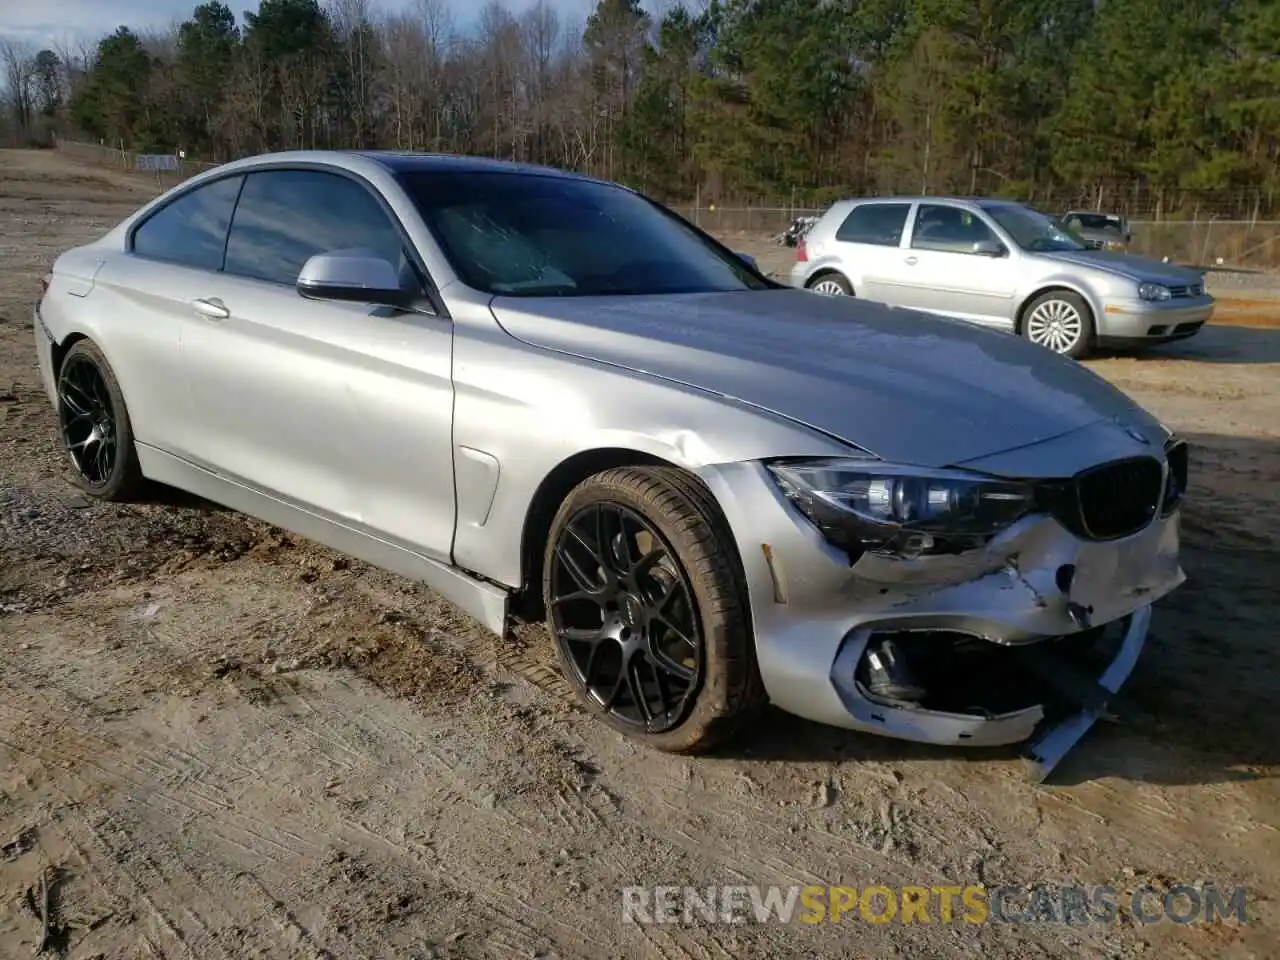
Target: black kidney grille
{"type": "Point", "coordinates": [1116, 499]}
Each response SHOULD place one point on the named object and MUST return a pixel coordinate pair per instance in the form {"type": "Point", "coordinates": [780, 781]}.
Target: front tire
{"type": "Point", "coordinates": [1061, 321]}
{"type": "Point", "coordinates": [96, 431]}
{"type": "Point", "coordinates": [648, 610]}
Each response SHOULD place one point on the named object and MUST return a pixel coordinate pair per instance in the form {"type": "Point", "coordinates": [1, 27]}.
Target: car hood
{"type": "Point", "coordinates": [902, 385]}
{"type": "Point", "coordinates": [1127, 265]}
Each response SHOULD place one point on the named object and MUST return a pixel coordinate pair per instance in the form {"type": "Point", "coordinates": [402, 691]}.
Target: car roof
{"type": "Point", "coordinates": [397, 162]}
{"type": "Point", "coordinates": [962, 201]}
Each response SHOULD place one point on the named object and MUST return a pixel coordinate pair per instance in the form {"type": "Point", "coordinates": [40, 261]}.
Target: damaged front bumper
{"type": "Point", "coordinates": [1049, 698]}
{"type": "Point", "coordinates": [45, 345]}
{"type": "Point", "coordinates": [1024, 641]}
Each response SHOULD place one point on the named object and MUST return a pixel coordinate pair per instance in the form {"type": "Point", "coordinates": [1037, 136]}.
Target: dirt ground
{"type": "Point", "coordinates": [219, 741]}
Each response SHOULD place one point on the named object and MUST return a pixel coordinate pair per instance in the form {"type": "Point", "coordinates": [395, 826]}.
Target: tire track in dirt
{"type": "Point", "coordinates": [164, 891]}
{"type": "Point", "coordinates": [164, 771]}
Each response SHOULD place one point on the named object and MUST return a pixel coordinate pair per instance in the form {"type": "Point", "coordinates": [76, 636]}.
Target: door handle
{"type": "Point", "coordinates": [211, 308]}
{"type": "Point", "coordinates": [910, 261]}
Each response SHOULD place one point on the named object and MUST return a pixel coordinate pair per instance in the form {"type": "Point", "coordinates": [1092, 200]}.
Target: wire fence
{"type": "Point", "coordinates": [1238, 243]}
{"type": "Point", "coordinates": [127, 161]}
{"type": "Point", "coordinates": [1211, 241]}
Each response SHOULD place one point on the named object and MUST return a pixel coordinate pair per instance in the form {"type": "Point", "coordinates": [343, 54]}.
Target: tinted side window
{"type": "Point", "coordinates": [948, 229]}
{"type": "Point", "coordinates": [191, 230]}
{"type": "Point", "coordinates": [285, 217]}
{"type": "Point", "coordinates": [878, 223]}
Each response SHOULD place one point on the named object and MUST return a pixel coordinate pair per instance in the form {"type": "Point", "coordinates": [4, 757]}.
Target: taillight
{"type": "Point", "coordinates": [802, 252]}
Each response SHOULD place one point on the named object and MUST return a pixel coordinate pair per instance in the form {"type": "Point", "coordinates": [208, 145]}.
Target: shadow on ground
{"type": "Point", "coordinates": [1221, 342]}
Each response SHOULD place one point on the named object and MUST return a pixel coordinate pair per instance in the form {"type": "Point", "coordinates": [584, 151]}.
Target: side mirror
{"type": "Point", "coordinates": [988, 248]}
{"type": "Point", "coordinates": [749, 260]}
{"type": "Point", "coordinates": [354, 278]}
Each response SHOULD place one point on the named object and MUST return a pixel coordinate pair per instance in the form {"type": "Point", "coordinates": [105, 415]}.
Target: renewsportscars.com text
{"type": "Point", "coordinates": [1040, 903]}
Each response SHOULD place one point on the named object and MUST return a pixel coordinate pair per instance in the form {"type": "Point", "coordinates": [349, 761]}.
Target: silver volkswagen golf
{"type": "Point", "coordinates": [1002, 265]}
{"type": "Point", "coordinates": [545, 396]}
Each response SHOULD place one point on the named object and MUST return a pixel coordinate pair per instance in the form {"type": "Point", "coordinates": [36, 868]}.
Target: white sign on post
{"type": "Point", "coordinates": [157, 161]}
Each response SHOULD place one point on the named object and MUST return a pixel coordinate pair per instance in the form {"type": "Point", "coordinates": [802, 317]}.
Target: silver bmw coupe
{"type": "Point", "coordinates": [545, 396]}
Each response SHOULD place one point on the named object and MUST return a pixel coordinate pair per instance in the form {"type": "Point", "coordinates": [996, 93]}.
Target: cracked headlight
{"type": "Point", "coordinates": [869, 506]}
{"type": "Point", "coordinates": [1153, 291]}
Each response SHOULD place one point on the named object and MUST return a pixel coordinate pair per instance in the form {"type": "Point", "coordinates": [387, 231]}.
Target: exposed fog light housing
{"type": "Point", "coordinates": [887, 673]}
{"type": "Point", "coordinates": [961, 673]}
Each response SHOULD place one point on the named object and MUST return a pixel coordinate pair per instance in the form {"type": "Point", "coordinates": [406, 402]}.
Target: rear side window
{"type": "Point", "coordinates": [192, 230]}
{"type": "Point", "coordinates": [877, 223]}
{"type": "Point", "coordinates": [285, 217]}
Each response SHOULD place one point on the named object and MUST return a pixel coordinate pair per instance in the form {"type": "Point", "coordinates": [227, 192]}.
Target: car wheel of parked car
{"type": "Point", "coordinates": [95, 425]}
{"type": "Point", "coordinates": [831, 285]}
{"type": "Point", "coordinates": [1061, 321]}
{"type": "Point", "coordinates": [648, 609]}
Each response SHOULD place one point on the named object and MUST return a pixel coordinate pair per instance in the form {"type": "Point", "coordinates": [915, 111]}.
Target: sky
{"type": "Point", "coordinates": [43, 23]}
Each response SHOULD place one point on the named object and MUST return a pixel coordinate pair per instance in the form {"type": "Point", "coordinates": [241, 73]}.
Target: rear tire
{"type": "Point", "coordinates": [96, 431]}
{"type": "Point", "coordinates": [831, 285]}
{"type": "Point", "coordinates": [647, 609]}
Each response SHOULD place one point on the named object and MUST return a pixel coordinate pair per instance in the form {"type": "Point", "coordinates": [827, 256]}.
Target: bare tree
{"type": "Point", "coordinates": [75, 59]}
{"type": "Point", "coordinates": [243, 119]}
{"type": "Point", "coordinates": [353, 25]}
{"type": "Point", "coordinates": [303, 79]}
{"type": "Point", "coordinates": [437, 24]}
{"type": "Point", "coordinates": [541, 28]}
{"type": "Point", "coordinates": [404, 80]}
{"type": "Point", "coordinates": [19, 65]}
{"type": "Point", "coordinates": [498, 49]}
{"type": "Point", "coordinates": [160, 42]}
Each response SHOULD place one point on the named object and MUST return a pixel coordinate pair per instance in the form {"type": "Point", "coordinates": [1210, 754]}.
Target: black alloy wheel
{"type": "Point", "coordinates": [96, 430]}
{"type": "Point", "coordinates": [622, 610]}
{"type": "Point", "coordinates": [648, 609]}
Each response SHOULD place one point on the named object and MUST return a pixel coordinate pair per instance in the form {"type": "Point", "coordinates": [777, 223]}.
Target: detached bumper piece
{"type": "Point", "coordinates": [941, 686]}
{"type": "Point", "coordinates": [1092, 698]}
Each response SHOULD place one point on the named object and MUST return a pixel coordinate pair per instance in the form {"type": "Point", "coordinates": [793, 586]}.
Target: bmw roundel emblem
{"type": "Point", "coordinates": [1133, 431]}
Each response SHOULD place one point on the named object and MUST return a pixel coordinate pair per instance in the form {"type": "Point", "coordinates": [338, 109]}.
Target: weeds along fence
{"type": "Point", "coordinates": [1238, 243]}
{"type": "Point", "coordinates": [126, 161]}
{"type": "Point", "coordinates": [1253, 244]}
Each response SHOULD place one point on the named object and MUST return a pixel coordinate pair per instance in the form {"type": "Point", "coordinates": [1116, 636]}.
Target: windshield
{"type": "Point", "coordinates": [532, 235]}
{"type": "Point", "coordinates": [1033, 231]}
{"type": "Point", "coordinates": [1091, 221]}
